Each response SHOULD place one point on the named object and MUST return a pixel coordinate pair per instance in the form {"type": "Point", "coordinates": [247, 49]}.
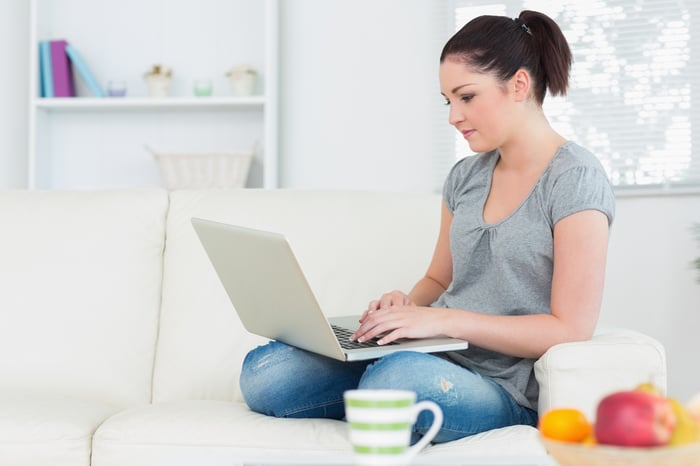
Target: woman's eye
{"type": "Point", "coordinates": [467, 97]}
{"type": "Point", "coordinates": [446, 102]}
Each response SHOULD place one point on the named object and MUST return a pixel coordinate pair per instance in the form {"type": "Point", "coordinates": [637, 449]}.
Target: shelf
{"type": "Point", "coordinates": [87, 142]}
{"type": "Point", "coordinates": [87, 103]}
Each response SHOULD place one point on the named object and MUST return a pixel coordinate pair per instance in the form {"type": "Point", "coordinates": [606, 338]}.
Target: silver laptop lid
{"type": "Point", "coordinates": [266, 286]}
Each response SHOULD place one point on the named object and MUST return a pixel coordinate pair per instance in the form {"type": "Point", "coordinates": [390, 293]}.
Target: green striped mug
{"type": "Point", "coordinates": [380, 424]}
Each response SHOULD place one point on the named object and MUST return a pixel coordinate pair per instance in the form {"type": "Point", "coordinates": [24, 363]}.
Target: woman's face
{"type": "Point", "coordinates": [480, 105]}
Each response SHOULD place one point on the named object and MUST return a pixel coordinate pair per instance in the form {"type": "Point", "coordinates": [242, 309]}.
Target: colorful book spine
{"type": "Point", "coordinates": [84, 71]}
{"type": "Point", "coordinates": [46, 72]}
{"type": "Point", "coordinates": [62, 75]}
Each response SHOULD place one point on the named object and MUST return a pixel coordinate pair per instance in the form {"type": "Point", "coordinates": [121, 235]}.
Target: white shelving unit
{"type": "Point", "coordinates": [87, 142]}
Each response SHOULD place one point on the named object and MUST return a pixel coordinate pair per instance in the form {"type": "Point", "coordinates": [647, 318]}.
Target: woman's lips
{"type": "Point", "coordinates": [467, 133]}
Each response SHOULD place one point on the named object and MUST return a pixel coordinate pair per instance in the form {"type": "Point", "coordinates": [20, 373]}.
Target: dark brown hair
{"type": "Point", "coordinates": [501, 46]}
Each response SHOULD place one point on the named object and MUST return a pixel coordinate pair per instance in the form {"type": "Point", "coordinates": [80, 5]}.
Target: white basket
{"type": "Point", "coordinates": [205, 170]}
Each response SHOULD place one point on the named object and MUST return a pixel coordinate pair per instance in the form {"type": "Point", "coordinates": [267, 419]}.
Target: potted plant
{"type": "Point", "coordinates": [242, 80]}
{"type": "Point", "coordinates": [158, 80]}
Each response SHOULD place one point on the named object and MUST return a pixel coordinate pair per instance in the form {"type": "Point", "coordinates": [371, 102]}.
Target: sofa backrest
{"type": "Point", "coordinates": [352, 246]}
{"type": "Point", "coordinates": [81, 277]}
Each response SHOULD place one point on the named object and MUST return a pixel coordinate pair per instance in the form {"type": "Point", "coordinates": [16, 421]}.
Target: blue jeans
{"type": "Point", "coordinates": [283, 381]}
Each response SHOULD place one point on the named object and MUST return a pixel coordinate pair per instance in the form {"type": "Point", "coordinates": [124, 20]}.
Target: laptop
{"type": "Point", "coordinates": [273, 299]}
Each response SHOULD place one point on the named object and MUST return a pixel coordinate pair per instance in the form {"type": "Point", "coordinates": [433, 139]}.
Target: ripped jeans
{"type": "Point", "coordinates": [282, 381]}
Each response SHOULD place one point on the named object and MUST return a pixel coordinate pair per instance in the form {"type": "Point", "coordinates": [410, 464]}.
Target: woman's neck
{"type": "Point", "coordinates": [532, 146]}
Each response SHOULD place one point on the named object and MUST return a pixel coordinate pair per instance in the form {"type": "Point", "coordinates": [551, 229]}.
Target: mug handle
{"type": "Point", "coordinates": [437, 423]}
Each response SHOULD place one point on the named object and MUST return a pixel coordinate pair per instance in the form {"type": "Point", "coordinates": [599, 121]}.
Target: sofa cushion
{"type": "Point", "coordinates": [519, 443]}
{"type": "Point", "coordinates": [40, 429]}
{"type": "Point", "coordinates": [352, 246]}
{"type": "Point", "coordinates": [213, 433]}
{"type": "Point", "coordinates": [81, 274]}
{"type": "Point", "coordinates": [209, 432]}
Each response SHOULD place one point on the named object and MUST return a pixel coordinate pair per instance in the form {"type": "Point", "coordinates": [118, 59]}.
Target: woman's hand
{"type": "Point", "coordinates": [394, 298]}
{"type": "Point", "coordinates": [396, 321]}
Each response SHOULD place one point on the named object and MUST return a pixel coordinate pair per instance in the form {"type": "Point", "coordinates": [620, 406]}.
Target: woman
{"type": "Point", "coordinates": [518, 265]}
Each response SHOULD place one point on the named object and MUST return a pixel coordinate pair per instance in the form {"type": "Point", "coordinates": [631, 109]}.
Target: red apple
{"type": "Point", "coordinates": [634, 419]}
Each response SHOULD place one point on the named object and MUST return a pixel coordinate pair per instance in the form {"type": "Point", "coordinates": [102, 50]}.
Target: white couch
{"type": "Point", "coordinates": [120, 347]}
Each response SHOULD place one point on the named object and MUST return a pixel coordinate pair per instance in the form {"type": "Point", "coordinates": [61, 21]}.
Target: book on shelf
{"type": "Point", "coordinates": [62, 76]}
{"type": "Point", "coordinates": [83, 70]}
{"type": "Point", "coordinates": [45, 70]}
{"type": "Point", "coordinates": [56, 75]}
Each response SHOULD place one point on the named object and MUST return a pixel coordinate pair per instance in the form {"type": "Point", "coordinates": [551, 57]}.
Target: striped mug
{"type": "Point", "coordinates": [380, 424]}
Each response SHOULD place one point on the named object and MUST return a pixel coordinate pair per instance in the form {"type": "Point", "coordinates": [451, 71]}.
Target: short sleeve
{"type": "Point", "coordinates": [581, 188]}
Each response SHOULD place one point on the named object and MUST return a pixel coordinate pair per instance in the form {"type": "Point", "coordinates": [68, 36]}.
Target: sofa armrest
{"type": "Point", "coordinates": [579, 374]}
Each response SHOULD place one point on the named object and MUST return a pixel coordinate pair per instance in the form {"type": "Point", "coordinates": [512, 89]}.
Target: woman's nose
{"type": "Point", "coordinates": [456, 116]}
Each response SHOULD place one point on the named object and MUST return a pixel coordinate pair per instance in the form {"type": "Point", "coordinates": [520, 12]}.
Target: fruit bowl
{"type": "Point", "coordinates": [577, 454]}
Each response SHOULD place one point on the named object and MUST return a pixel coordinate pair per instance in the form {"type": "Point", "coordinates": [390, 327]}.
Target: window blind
{"type": "Point", "coordinates": [634, 96]}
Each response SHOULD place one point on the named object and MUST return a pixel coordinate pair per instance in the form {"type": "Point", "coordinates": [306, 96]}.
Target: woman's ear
{"type": "Point", "coordinates": [521, 85]}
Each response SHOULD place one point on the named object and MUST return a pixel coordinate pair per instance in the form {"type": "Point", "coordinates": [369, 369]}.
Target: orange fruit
{"type": "Point", "coordinates": [565, 424]}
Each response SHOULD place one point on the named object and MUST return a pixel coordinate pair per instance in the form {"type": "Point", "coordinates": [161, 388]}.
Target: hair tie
{"type": "Point", "coordinates": [519, 22]}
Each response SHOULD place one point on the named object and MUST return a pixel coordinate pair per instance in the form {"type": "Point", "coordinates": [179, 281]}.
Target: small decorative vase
{"type": "Point", "coordinates": [116, 89]}
{"type": "Point", "coordinates": [203, 88]}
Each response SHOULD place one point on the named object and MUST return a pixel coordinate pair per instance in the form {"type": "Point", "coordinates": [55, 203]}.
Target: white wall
{"type": "Point", "coordinates": [358, 78]}
{"type": "Point", "coordinates": [354, 100]}
{"type": "Point", "coordinates": [14, 39]}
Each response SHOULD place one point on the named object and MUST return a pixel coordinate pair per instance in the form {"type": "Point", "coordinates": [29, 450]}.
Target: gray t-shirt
{"type": "Point", "coordinates": [505, 268]}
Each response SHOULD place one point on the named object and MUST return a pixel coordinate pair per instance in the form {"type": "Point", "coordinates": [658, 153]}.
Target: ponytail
{"type": "Point", "coordinates": [501, 46]}
{"type": "Point", "coordinates": [553, 50]}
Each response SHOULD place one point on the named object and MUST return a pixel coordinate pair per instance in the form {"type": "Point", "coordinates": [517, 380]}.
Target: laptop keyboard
{"type": "Point", "coordinates": [343, 336]}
